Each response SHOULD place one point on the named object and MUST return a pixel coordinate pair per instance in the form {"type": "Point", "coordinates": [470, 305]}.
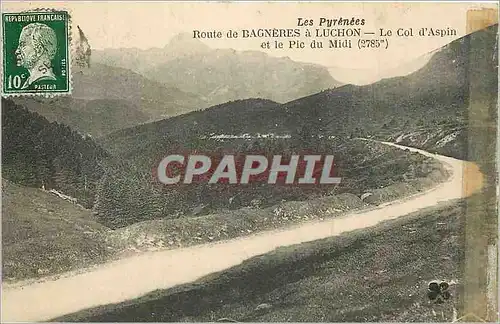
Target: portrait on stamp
{"type": "Point", "coordinates": [36, 50]}
{"type": "Point", "coordinates": [36, 53]}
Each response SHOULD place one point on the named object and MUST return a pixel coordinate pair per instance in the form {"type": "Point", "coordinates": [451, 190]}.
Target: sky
{"type": "Point", "coordinates": [152, 24]}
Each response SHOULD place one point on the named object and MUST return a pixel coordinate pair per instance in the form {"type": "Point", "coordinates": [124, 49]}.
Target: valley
{"type": "Point", "coordinates": [235, 251]}
{"type": "Point", "coordinates": [82, 211]}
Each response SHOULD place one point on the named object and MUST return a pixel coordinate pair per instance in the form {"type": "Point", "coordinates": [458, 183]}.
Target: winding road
{"type": "Point", "coordinates": [137, 275]}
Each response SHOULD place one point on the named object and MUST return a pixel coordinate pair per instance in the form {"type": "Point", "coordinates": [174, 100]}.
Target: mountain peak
{"type": "Point", "coordinates": [185, 42]}
{"type": "Point", "coordinates": [181, 37]}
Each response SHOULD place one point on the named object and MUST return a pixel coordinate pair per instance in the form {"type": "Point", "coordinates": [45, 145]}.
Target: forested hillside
{"type": "Point", "coordinates": [129, 192]}
{"type": "Point", "coordinates": [36, 153]}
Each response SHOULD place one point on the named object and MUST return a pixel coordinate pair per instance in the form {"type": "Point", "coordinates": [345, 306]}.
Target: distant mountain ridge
{"type": "Point", "coordinates": [221, 75]}
{"type": "Point", "coordinates": [437, 93]}
{"type": "Point", "coordinates": [141, 60]}
{"type": "Point", "coordinates": [190, 77]}
{"type": "Point", "coordinates": [107, 82]}
{"type": "Point", "coordinates": [106, 99]}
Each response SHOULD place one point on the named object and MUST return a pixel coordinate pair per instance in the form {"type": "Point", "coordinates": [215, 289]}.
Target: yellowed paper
{"type": "Point", "coordinates": [249, 161]}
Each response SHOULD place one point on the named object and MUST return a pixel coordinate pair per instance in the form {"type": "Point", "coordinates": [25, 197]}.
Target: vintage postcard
{"type": "Point", "coordinates": [182, 161]}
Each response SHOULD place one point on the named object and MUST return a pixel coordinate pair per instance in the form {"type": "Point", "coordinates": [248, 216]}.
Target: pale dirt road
{"type": "Point", "coordinates": [135, 276]}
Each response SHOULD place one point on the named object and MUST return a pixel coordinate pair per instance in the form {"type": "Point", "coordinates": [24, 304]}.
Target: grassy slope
{"type": "Point", "coordinates": [44, 234]}
{"type": "Point", "coordinates": [379, 274]}
{"type": "Point", "coordinates": [227, 224]}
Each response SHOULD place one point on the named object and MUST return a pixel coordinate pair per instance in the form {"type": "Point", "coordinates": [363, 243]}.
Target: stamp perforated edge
{"type": "Point", "coordinates": [70, 50]}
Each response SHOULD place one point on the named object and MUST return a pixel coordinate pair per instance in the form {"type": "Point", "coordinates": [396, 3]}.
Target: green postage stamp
{"type": "Point", "coordinates": [36, 53]}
